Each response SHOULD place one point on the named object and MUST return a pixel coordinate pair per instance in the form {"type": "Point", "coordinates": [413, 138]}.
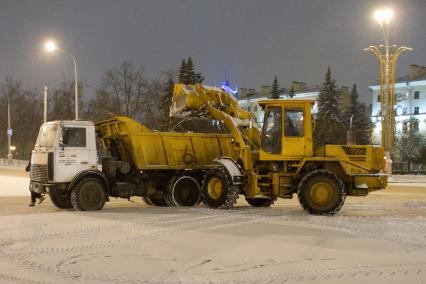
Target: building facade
{"type": "Point", "coordinates": [410, 103]}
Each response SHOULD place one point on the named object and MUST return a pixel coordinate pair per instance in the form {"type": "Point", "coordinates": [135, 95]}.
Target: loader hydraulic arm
{"type": "Point", "coordinates": [222, 106]}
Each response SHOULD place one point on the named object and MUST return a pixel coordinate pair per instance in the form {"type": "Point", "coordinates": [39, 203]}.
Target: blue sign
{"type": "Point", "coordinates": [9, 132]}
{"type": "Point", "coordinates": [226, 86]}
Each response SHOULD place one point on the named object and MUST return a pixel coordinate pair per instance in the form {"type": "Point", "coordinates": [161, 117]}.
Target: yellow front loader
{"type": "Point", "coordinates": [279, 161]}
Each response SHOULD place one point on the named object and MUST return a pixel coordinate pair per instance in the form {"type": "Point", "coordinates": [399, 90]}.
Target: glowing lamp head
{"type": "Point", "coordinates": [383, 16]}
{"type": "Point", "coordinates": [50, 46]}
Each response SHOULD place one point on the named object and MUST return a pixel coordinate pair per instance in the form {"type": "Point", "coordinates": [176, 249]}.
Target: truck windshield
{"type": "Point", "coordinates": [46, 136]}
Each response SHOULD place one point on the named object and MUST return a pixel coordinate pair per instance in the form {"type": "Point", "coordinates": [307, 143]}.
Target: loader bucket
{"type": "Point", "coordinates": [192, 98]}
{"type": "Point", "coordinates": [186, 98]}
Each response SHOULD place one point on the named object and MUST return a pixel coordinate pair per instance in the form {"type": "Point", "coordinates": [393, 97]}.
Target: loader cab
{"type": "Point", "coordinates": [287, 130]}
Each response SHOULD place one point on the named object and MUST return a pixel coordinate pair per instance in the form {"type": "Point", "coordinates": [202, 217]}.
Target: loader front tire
{"type": "Point", "coordinates": [89, 194]}
{"type": "Point", "coordinates": [321, 192]}
{"type": "Point", "coordinates": [217, 190]}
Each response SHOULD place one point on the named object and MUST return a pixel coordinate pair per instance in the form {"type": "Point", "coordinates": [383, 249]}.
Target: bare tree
{"type": "Point", "coordinates": [123, 92]}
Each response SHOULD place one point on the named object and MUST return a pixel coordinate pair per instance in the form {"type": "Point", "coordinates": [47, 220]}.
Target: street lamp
{"type": "Point", "coordinates": [51, 46]}
{"type": "Point", "coordinates": [387, 56]}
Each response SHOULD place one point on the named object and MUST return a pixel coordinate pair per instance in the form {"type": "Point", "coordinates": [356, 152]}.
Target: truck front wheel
{"type": "Point", "coordinates": [321, 192]}
{"type": "Point", "coordinates": [60, 199]}
{"type": "Point", "coordinates": [88, 194]}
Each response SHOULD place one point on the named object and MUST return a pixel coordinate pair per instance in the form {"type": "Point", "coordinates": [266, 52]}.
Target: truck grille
{"type": "Point", "coordinates": [38, 173]}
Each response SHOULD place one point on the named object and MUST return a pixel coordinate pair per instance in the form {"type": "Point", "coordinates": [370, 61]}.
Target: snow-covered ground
{"type": "Point", "coordinates": [380, 238]}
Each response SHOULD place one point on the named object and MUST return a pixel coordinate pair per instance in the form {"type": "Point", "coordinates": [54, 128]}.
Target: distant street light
{"type": "Point", "coordinates": [51, 46]}
{"type": "Point", "coordinates": [387, 56]}
{"type": "Point", "coordinates": [9, 132]}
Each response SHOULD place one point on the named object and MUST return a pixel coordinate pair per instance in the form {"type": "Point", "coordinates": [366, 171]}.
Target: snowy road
{"type": "Point", "coordinates": [376, 239]}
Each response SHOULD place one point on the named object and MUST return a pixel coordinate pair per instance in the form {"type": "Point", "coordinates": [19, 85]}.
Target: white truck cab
{"type": "Point", "coordinates": [63, 150]}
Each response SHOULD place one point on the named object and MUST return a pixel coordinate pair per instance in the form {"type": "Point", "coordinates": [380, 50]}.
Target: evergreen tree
{"type": "Point", "coordinates": [330, 128]}
{"type": "Point", "coordinates": [361, 122]}
{"type": "Point", "coordinates": [291, 92]}
{"type": "Point", "coordinates": [182, 71]}
{"type": "Point", "coordinates": [275, 89]}
{"type": "Point", "coordinates": [199, 79]}
{"type": "Point", "coordinates": [190, 73]}
{"type": "Point", "coordinates": [409, 143]}
{"type": "Point", "coordinates": [187, 74]}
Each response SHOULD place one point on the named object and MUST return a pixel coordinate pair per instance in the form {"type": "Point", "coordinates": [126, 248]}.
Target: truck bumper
{"type": "Point", "coordinates": [39, 187]}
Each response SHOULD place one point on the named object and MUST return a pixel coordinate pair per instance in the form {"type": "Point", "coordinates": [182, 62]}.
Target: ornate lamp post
{"type": "Point", "coordinates": [387, 56]}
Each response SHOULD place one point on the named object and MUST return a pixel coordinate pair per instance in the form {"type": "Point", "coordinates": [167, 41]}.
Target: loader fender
{"type": "Point", "coordinates": [233, 169]}
{"type": "Point", "coordinates": [90, 174]}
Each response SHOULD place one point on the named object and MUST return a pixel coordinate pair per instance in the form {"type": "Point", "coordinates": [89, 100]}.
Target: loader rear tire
{"type": "Point", "coordinates": [217, 190]}
{"type": "Point", "coordinates": [260, 202]}
{"type": "Point", "coordinates": [88, 195]}
{"type": "Point", "coordinates": [183, 191]}
{"type": "Point", "coordinates": [60, 199]}
{"type": "Point", "coordinates": [321, 192]}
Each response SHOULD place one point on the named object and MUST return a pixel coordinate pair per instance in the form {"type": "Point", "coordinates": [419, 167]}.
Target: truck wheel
{"type": "Point", "coordinates": [260, 202]}
{"type": "Point", "coordinates": [217, 190]}
{"type": "Point", "coordinates": [321, 193]}
{"type": "Point", "coordinates": [147, 200]}
{"type": "Point", "coordinates": [60, 199]}
{"type": "Point", "coordinates": [89, 194]}
{"type": "Point", "coordinates": [158, 200]}
{"type": "Point", "coordinates": [183, 191]}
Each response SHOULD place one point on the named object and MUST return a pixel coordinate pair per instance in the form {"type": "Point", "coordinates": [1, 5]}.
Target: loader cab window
{"type": "Point", "coordinates": [272, 130]}
{"type": "Point", "coordinates": [293, 122]}
{"type": "Point", "coordinates": [73, 137]}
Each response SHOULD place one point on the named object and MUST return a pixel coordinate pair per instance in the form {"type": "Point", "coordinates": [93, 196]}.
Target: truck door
{"type": "Point", "coordinates": [294, 133]}
{"type": "Point", "coordinates": [73, 155]}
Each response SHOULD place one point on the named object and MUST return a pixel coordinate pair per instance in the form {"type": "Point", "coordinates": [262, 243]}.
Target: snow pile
{"type": "Point", "coordinates": [14, 185]}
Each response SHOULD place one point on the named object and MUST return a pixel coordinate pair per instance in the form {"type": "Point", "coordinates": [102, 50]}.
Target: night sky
{"type": "Point", "coordinates": [250, 41]}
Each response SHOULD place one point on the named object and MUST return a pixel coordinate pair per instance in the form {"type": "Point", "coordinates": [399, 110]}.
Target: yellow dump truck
{"type": "Point", "coordinates": [164, 168]}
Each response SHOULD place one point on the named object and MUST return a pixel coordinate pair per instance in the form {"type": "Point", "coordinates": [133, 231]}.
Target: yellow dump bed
{"type": "Point", "coordinates": [148, 150]}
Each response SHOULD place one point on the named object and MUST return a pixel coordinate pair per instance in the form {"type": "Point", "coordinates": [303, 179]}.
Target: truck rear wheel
{"type": "Point", "coordinates": [146, 200]}
{"type": "Point", "coordinates": [88, 194]}
{"type": "Point", "coordinates": [217, 190]}
{"type": "Point", "coordinates": [321, 193]}
{"type": "Point", "coordinates": [183, 191]}
{"type": "Point", "coordinates": [158, 199]}
{"type": "Point", "coordinates": [260, 202]}
{"type": "Point", "coordinates": [60, 199]}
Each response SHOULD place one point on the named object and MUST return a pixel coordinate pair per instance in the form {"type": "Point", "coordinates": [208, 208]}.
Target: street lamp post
{"type": "Point", "coordinates": [51, 47]}
{"type": "Point", "coordinates": [9, 134]}
{"type": "Point", "coordinates": [387, 56]}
